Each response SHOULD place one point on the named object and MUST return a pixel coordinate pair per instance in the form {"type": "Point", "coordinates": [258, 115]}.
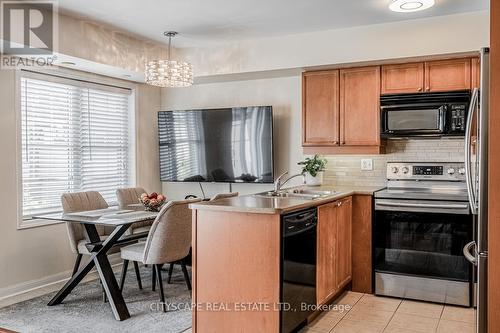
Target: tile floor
{"type": "Point", "coordinates": [364, 313]}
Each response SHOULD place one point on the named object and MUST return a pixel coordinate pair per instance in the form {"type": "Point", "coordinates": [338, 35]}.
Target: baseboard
{"type": "Point", "coordinates": [27, 290]}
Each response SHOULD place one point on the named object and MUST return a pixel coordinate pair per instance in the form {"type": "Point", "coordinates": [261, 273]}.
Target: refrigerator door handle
{"type": "Point", "coordinates": [468, 146]}
{"type": "Point", "coordinates": [468, 248]}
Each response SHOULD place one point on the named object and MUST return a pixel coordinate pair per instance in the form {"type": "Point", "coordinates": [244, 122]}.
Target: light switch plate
{"type": "Point", "coordinates": [367, 164]}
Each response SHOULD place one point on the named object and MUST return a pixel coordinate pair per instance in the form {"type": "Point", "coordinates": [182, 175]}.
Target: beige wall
{"type": "Point", "coordinates": [93, 41]}
{"type": "Point", "coordinates": [435, 35]}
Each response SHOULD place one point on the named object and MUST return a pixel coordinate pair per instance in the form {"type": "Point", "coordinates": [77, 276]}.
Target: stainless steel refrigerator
{"type": "Point", "coordinates": [476, 166]}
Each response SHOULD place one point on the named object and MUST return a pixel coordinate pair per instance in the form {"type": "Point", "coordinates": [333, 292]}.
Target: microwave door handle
{"type": "Point", "coordinates": [468, 146]}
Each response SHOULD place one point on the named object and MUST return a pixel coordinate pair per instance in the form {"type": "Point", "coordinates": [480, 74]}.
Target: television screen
{"type": "Point", "coordinates": [217, 145]}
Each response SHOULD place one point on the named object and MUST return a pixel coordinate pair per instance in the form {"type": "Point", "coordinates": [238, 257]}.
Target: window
{"type": "Point", "coordinates": [75, 136]}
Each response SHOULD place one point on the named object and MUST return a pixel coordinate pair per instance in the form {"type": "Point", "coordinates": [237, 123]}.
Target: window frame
{"type": "Point", "coordinates": [62, 76]}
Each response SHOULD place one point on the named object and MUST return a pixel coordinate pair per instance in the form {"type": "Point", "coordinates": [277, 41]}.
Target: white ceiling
{"type": "Point", "coordinates": [205, 22]}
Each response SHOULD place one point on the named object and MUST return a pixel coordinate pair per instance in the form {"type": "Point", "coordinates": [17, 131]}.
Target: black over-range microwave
{"type": "Point", "coordinates": [424, 114]}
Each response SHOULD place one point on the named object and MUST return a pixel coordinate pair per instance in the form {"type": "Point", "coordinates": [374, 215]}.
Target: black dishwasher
{"type": "Point", "coordinates": [298, 268]}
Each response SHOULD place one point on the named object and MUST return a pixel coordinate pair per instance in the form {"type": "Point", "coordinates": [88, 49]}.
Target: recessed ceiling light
{"type": "Point", "coordinates": [69, 63]}
{"type": "Point", "coordinates": [127, 75]}
{"type": "Point", "coordinates": [408, 6]}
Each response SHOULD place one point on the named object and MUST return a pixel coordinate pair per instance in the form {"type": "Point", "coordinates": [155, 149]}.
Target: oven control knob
{"type": "Point", "coordinates": [405, 170]}
{"type": "Point", "coordinates": [450, 171]}
{"type": "Point", "coordinates": [461, 171]}
{"type": "Point", "coordinates": [394, 169]}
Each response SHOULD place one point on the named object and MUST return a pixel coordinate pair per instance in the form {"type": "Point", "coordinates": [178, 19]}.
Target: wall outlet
{"type": "Point", "coordinates": [367, 164]}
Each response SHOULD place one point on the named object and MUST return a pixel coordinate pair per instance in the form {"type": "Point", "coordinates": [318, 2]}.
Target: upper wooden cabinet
{"type": "Point", "coordinates": [340, 111]}
{"type": "Point", "coordinates": [320, 116]}
{"type": "Point", "coordinates": [360, 106]}
{"type": "Point", "coordinates": [402, 78]}
{"type": "Point", "coordinates": [430, 76]}
{"type": "Point", "coordinates": [447, 75]}
{"type": "Point", "coordinates": [476, 73]}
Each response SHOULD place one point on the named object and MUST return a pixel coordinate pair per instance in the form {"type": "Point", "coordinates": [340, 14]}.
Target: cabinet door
{"type": "Point", "coordinates": [446, 75]}
{"type": "Point", "coordinates": [403, 78]}
{"type": "Point", "coordinates": [344, 243]}
{"type": "Point", "coordinates": [320, 109]}
{"type": "Point", "coordinates": [359, 106]}
{"type": "Point", "coordinates": [476, 73]}
{"type": "Point", "coordinates": [325, 266]}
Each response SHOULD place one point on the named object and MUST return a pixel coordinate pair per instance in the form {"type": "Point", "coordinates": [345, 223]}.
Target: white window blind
{"type": "Point", "coordinates": [74, 138]}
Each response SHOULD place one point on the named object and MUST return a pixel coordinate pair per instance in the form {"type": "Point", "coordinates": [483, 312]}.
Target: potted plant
{"type": "Point", "coordinates": [313, 169]}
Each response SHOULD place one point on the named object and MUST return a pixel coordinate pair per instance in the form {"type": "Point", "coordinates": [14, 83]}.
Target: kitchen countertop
{"type": "Point", "coordinates": [260, 205]}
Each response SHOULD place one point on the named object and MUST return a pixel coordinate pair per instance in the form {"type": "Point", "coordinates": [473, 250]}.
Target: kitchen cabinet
{"type": "Point", "coordinates": [321, 100]}
{"type": "Point", "coordinates": [334, 248]}
{"type": "Point", "coordinates": [430, 76]}
{"type": "Point", "coordinates": [403, 78]}
{"type": "Point", "coordinates": [343, 272]}
{"type": "Point", "coordinates": [326, 248]}
{"type": "Point", "coordinates": [360, 106]}
{"type": "Point", "coordinates": [447, 75]}
{"type": "Point", "coordinates": [476, 73]}
{"type": "Point", "coordinates": [340, 111]}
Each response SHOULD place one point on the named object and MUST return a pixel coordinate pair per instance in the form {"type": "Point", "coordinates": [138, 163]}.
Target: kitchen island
{"type": "Point", "coordinates": [237, 255]}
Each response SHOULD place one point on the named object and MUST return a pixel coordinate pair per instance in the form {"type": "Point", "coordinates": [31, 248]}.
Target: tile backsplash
{"type": "Point", "coordinates": [346, 169]}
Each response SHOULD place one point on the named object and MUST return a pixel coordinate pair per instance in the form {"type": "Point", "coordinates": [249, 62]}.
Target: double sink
{"type": "Point", "coordinates": [297, 193]}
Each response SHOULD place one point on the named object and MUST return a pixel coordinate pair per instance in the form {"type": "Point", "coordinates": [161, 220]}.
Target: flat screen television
{"type": "Point", "coordinates": [230, 145]}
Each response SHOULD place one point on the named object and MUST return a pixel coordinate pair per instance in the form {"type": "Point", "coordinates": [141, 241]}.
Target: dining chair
{"type": "Point", "coordinates": [169, 241]}
{"type": "Point", "coordinates": [79, 202]}
{"type": "Point", "coordinates": [215, 197]}
{"type": "Point", "coordinates": [130, 196]}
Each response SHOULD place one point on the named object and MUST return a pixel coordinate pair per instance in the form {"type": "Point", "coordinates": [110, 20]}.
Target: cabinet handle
{"type": "Point", "coordinates": [335, 142]}
{"type": "Point", "coordinates": [419, 89]}
{"type": "Point", "coordinates": [342, 143]}
{"type": "Point", "coordinates": [427, 88]}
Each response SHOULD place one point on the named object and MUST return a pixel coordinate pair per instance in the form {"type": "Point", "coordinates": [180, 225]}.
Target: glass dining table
{"type": "Point", "coordinates": [121, 220]}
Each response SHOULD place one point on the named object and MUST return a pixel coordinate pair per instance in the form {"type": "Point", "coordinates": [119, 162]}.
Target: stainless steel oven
{"type": "Point", "coordinates": [430, 114]}
{"type": "Point", "coordinates": [422, 222]}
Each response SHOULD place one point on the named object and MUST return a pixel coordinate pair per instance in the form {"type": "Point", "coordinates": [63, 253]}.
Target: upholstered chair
{"type": "Point", "coordinates": [169, 241]}
{"type": "Point", "coordinates": [130, 196]}
{"type": "Point", "coordinates": [79, 202]}
{"type": "Point", "coordinates": [215, 197]}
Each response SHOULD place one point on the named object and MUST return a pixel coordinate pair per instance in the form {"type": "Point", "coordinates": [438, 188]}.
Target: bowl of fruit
{"type": "Point", "coordinates": [152, 202]}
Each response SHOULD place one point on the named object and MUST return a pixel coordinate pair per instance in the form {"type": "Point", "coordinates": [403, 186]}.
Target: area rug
{"type": "Point", "coordinates": [84, 310]}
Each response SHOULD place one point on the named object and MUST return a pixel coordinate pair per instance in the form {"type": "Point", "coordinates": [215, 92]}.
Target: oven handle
{"type": "Point", "coordinates": [468, 252]}
{"type": "Point", "coordinates": [420, 205]}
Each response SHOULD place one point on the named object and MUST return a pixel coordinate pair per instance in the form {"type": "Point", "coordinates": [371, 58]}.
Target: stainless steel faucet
{"type": "Point", "coordinates": [278, 183]}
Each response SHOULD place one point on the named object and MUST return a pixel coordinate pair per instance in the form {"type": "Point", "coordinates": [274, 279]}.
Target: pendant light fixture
{"type": "Point", "coordinates": [169, 73]}
{"type": "Point", "coordinates": [408, 6]}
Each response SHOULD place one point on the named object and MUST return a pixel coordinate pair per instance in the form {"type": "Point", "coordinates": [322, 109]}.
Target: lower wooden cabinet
{"type": "Point", "coordinates": [334, 248]}
{"type": "Point", "coordinates": [343, 272]}
{"type": "Point", "coordinates": [326, 245]}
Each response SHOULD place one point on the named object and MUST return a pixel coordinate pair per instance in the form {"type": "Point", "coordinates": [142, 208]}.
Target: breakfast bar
{"type": "Point", "coordinates": [247, 252]}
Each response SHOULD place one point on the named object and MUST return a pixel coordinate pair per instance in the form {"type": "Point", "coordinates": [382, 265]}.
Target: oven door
{"type": "Point", "coordinates": [422, 238]}
{"type": "Point", "coordinates": [414, 119]}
